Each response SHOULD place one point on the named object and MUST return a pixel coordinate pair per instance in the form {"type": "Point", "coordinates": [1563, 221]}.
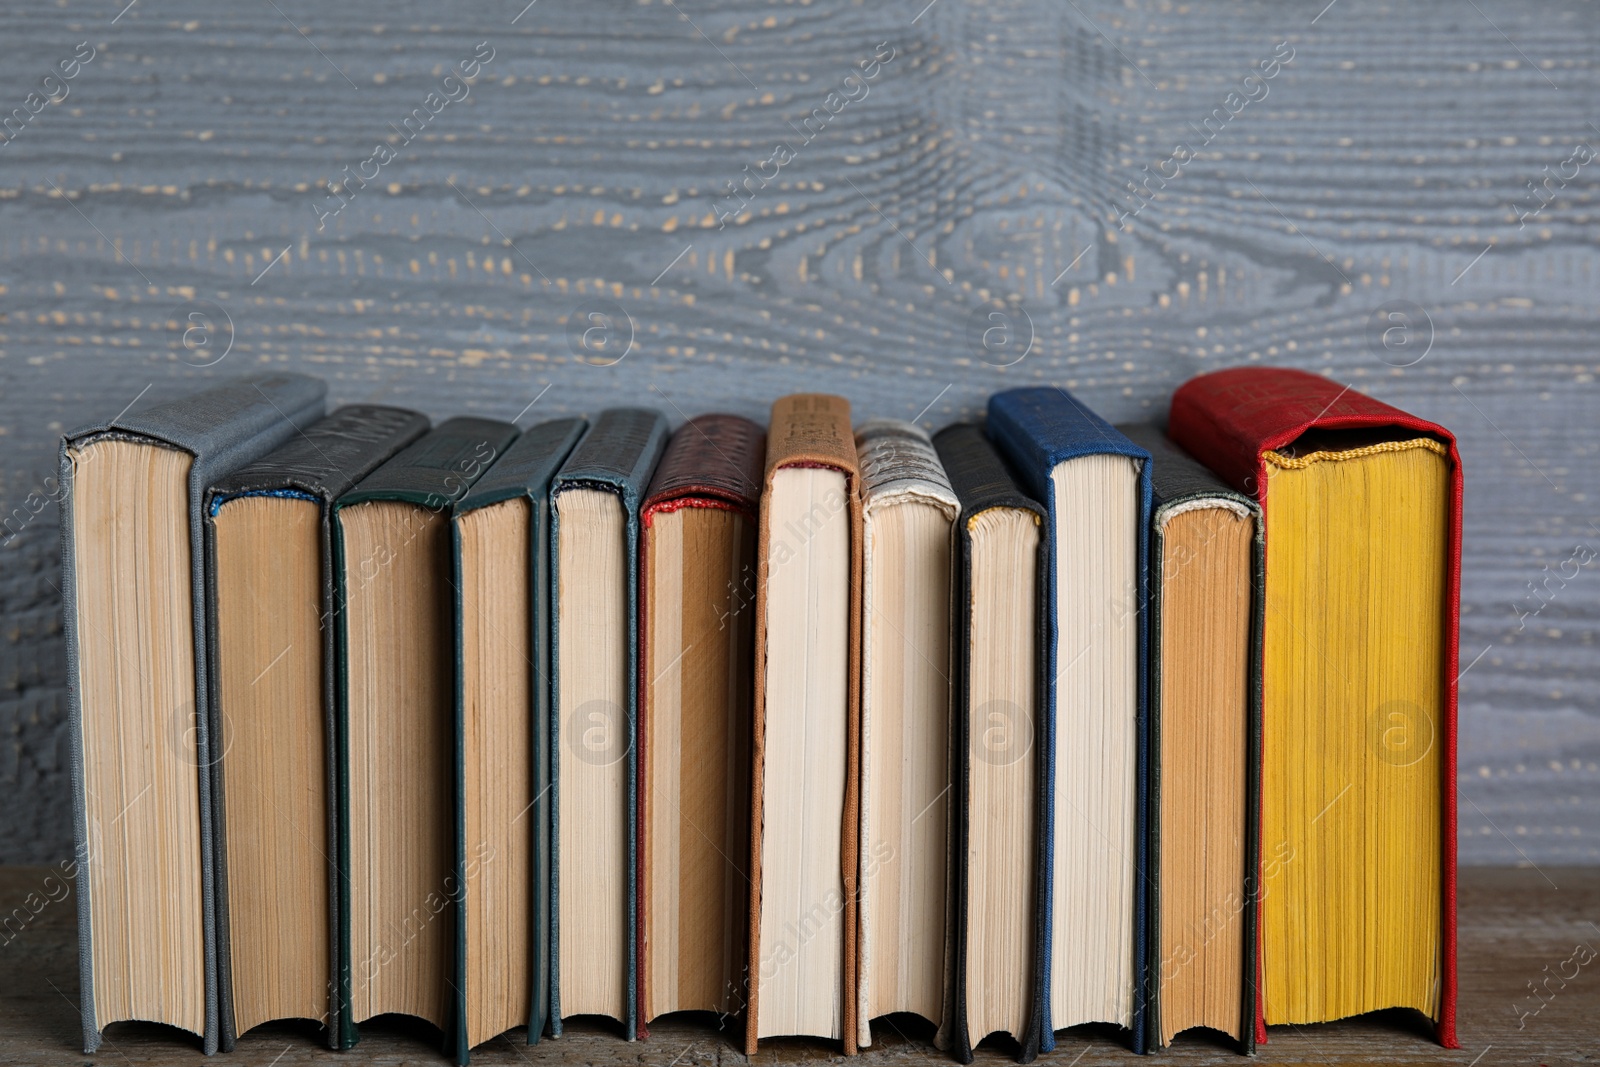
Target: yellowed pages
{"type": "Point", "coordinates": [497, 679]}
{"type": "Point", "coordinates": [698, 666]}
{"type": "Point", "coordinates": [274, 762]}
{"type": "Point", "coordinates": [1353, 691]}
{"type": "Point", "coordinates": [591, 611]}
{"type": "Point", "coordinates": [141, 762]}
{"type": "Point", "coordinates": [1204, 655]}
{"type": "Point", "coordinates": [1003, 830]}
{"type": "Point", "coordinates": [398, 616]}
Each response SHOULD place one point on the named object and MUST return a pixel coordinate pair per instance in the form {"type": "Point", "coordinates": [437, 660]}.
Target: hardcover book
{"type": "Point", "coordinates": [805, 767]}
{"type": "Point", "coordinates": [272, 679]}
{"type": "Point", "coordinates": [1358, 688]}
{"type": "Point", "coordinates": [594, 530]}
{"type": "Point", "coordinates": [999, 744]}
{"type": "Point", "coordinates": [697, 588]}
{"type": "Point", "coordinates": [500, 566]}
{"type": "Point", "coordinates": [907, 510]}
{"type": "Point", "coordinates": [1205, 727]}
{"type": "Point", "coordinates": [134, 607]}
{"type": "Point", "coordinates": [1095, 486]}
{"type": "Point", "coordinates": [394, 737]}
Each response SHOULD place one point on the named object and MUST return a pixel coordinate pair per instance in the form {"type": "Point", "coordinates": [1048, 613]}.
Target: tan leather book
{"type": "Point", "coordinates": [804, 810]}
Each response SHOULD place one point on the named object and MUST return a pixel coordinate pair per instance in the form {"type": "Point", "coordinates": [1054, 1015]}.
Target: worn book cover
{"type": "Point", "coordinates": [201, 437]}
{"type": "Point", "coordinates": [907, 512]}
{"type": "Point", "coordinates": [1362, 506]}
{"type": "Point", "coordinates": [309, 470]}
{"type": "Point", "coordinates": [500, 559]}
{"type": "Point", "coordinates": [807, 432]}
{"type": "Point", "coordinates": [1097, 642]}
{"type": "Point", "coordinates": [696, 690]}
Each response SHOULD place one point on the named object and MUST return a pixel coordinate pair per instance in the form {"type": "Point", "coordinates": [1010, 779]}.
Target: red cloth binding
{"type": "Point", "coordinates": [712, 461]}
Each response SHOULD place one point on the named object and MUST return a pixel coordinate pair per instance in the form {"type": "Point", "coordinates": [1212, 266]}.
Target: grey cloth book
{"type": "Point", "coordinates": [133, 602]}
{"type": "Point", "coordinates": [908, 510]}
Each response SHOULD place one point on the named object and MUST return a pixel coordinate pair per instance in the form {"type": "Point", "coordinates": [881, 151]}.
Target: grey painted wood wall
{"type": "Point", "coordinates": [169, 205]}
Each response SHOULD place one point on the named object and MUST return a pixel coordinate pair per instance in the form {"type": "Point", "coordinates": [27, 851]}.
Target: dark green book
{"type": "Point", "coordinates": [393, 737]}
{"type": "Point", "coordinates": [594, 550]}
{"type": "Point", "coordinates": [500, 551]}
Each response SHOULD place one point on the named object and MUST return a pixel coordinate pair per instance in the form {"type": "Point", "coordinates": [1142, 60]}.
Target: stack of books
{"type": "Point", "coordinates": [1023, 725]}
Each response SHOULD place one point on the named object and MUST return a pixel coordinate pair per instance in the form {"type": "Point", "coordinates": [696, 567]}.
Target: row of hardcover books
{"type": "Point", "coordinates": [1032, 723]}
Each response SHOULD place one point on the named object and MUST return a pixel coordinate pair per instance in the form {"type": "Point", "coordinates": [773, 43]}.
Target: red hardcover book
{"type": "Point", "coordinates": [1250, 425]}
{"type": "Point", "coordinates": [697, 590]}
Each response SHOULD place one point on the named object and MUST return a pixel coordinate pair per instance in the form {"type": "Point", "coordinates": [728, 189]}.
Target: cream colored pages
{"type": "Point", "coordinates": [1097, 691]}
{"type": "Point", "coordinates": [591, 700]}
{"type": "Point", "coordinates": [402, 856]}
{"type": "Point", "coordinates": [905, 743]}
{"type": "Point", "coordinates": [141, 766]}
{"type": "Point", "coordinates": [1003, 708]}
{"type": "Point", "coordinates": [807, 661]}
{"type": "Point", "coordinates": [497, 763]}
{"type": "Point", "coordinates": [698, 666]}
{"type": "Point", "coordinates": [664, 843]}
{"type": "Point", "coordinates": [274, 767]}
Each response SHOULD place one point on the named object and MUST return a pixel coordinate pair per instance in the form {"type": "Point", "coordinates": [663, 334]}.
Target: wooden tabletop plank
{"type": "Point", "coordinates": [1520, 929]}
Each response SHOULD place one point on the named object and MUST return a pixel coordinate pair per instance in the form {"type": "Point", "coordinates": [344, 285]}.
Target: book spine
{"type": "Point", "coordinates": [213, 771]}
{"type": "Point", "coordinates": [541, 1012]}
{"type": "Point", "coordinates": [345, 1033]}
{"type": "Point", "coordinates": [80, 817]}
{"type": "Point", "coordinates": [455, 1037]}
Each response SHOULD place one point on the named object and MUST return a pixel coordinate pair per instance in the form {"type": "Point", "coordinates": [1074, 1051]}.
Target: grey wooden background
{"type": "Point", "coordinates": [176, 186]}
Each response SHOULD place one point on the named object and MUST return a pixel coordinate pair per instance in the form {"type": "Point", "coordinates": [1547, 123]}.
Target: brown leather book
{"type": "Point", "coordinates": [697, 591]}
{"type": "Point", "coordinates": [804, 830]}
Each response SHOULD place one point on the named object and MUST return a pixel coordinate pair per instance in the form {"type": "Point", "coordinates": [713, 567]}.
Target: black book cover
{"type": "Point", "coordinates": [982, 481]}
{"type": "Point", "coordinates": [1178, 480]}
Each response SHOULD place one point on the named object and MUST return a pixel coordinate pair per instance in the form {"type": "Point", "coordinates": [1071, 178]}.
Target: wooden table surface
{"type": "Point", "coordinates": [1520, 927]}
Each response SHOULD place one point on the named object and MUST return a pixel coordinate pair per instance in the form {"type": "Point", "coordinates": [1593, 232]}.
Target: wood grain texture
{"type": "Point", "coordinates": [1519, 928]}
{"type": "Point", "coordinates": [984, 167]}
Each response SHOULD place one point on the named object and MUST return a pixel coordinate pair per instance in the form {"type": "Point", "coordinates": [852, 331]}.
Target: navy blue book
{"type": "Point", "coordinates": [1095, 485]}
